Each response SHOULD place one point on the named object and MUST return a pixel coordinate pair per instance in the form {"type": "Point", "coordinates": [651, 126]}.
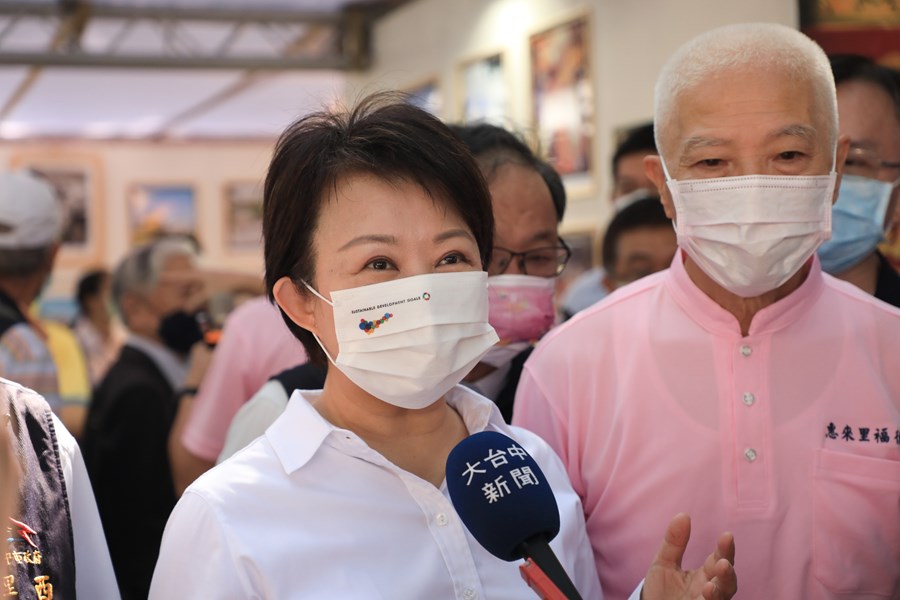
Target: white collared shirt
{"type": "Point", "coordinates": [310, 511]}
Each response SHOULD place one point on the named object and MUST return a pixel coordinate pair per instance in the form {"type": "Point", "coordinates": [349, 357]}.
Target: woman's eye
{"type": "Point", "coordinates": [454, 259]}
{"type": "Point", "coordinates": [379, 264]}
{"type": "Point", "coordinates": [790, 155]}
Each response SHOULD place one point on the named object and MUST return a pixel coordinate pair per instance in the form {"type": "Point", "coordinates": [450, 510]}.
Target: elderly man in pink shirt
{"type": "Point", "coordinates": [743, 385]}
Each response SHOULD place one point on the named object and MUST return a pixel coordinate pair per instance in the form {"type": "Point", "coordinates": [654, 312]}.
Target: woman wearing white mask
{"type": "Point", "coordinates": [377, 229]}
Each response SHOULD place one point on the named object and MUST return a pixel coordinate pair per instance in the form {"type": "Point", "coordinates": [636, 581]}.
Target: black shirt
{"type": "Point", "coordinates": [887, 286]}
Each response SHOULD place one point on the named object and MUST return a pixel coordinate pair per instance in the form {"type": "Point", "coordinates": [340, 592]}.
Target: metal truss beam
{"type": "Point", "coordinates": [346, 44]}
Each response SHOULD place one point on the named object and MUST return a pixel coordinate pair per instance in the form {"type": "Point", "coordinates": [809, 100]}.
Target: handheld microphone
{"type": "Point", "coordinates": [507, 504]}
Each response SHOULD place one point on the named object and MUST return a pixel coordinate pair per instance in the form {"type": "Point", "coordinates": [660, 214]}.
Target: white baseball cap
{"type": "Point", "coordinates": [30, 215]}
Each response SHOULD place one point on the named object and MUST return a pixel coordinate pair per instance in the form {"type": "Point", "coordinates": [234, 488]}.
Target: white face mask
{"type": "Point", "coordinates": [408, 341]}
{"type": "Point", "coordinates": [751, 234]}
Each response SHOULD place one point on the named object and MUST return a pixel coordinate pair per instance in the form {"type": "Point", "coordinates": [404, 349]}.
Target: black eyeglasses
{"type": "Point", "coordinates": [540, 262]}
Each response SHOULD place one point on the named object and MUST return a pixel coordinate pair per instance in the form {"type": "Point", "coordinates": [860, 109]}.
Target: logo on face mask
{"type": "Point", "coordinates": [426, 296]}
{"type": "Point", "coordinates": [370, 326]}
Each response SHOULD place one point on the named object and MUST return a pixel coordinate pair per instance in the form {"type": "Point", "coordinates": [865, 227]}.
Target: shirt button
{"type": "Point", "coordinates": [469, 593]}
{"type": "Point", "coordinates": [746, 350]}
{"type": "Point", "coordinates": [442, 519]}
{"type": "Point", "coordinates": [750, 454]}
{"type": "Point", "coordinates": [749, 398]}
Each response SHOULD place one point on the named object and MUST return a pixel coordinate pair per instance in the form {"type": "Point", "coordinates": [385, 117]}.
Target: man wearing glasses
{"type": "Point", "coordinates": [868, 97]}
{"type": "Point", "coordinates": [528, 202]}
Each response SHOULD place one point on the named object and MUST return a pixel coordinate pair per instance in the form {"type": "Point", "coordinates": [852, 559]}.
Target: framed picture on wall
{"type": "Point", "coordinates": [563, 99]}
{"type": "Point", "coordinates": [78, 181]}
{"type": "Point", "coordinates": [243, 216]}
{"type": "Point", "coordinates": [485, 91]}
{"type": "Point", "coordinates": [870, 28]}
{"type": "Point", "coordinates": [426, 95]}
{"type": "Point", "coordinates": [161, 209]}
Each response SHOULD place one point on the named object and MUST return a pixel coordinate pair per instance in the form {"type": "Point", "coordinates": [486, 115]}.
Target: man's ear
{"type": "Point", "coordinates": [300, 307]}
{"type": "Point", "coordinates": [840, 156]}
{"type": "Point", "coordinates": [654, 170]}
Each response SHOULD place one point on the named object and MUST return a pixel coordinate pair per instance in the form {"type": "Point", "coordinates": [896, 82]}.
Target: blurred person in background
{"type": "Point", "coordinates": [94, 325]}
{"type": "Point", "coordinates": [528, 202]}
{"type": "Point", "coordinates": [30, 226]}
{"type": "Point", "coordinates": [255, 345]}
{"type": "Point", "coordinates": [868, 97]}
{"type": "Point", "coordinates": [639, 241]}
{"type": "Point", "coordinates": [630, 182]}
{"type": "Point", "coordinates": [157, 291]}
{"type": "Point", "coordinates": [71, 374]}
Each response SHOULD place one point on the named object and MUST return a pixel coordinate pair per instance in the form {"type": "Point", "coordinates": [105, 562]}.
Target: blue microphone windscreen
{"type": "Point", "coordinates": [500, 493]}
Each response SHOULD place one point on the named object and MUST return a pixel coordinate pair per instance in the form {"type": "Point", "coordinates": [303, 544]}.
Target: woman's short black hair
{"type": "Point", "coordinates": [381, 136]}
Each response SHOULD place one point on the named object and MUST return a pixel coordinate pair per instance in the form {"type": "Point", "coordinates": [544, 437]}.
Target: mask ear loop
{"type": "Point", "coordinates": [331, 304]}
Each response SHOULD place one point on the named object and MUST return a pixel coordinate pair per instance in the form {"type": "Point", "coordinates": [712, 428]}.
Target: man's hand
{"type": "Point", "coordinates": [715, 580]}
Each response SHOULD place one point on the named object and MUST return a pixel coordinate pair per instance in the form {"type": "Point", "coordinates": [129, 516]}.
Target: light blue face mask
{"type": "Point", "coordinates": [857, 222]}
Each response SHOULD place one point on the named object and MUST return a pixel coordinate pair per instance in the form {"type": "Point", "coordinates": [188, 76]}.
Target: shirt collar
{"type": "Point", "coordinates": [702, 309]}
{"type": "Point", "coordinates": [294, 449]}
{"type": "Point", "coordinates": [173, 367]}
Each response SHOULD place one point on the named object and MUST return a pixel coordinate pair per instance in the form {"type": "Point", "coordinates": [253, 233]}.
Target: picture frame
{"type": "Point", "coordinates": [77, 178]}
{"type": "Point", "coordinates": [426, 95]}
{"type": "Point", "coordinates": [242, 216]}
{"type": "Point", "coordinates": [562, 97]}
{"type": "Point", "coordinates": [159, 209]}
{"type": "Point", "coordinates": [485, 90]}
{"type": "Point", "coordinates": [870, 28]}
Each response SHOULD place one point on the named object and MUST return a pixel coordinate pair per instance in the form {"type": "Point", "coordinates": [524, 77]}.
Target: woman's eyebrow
{"type": "Point", "coordinates": [369, 239]}
{"type": "Point", "coordinates": [453, 233]}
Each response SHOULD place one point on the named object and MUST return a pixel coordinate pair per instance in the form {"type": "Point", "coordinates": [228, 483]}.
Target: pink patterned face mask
{"type": "Point", "coordinates": [521, 307]}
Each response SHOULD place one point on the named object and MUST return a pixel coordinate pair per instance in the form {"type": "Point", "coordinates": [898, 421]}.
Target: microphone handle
{"type": "Point", "coordinates": [540, 552]}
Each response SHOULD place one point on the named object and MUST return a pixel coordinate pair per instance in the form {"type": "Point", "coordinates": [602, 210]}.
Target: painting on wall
{"type": "Point", "coordinates": [161, 209]}
{"type": "Point", "coordinates": [485, 91]}
{"type": "Point", "coordinates": [870, 28]}
{"type": "Point", "coordinates": [77, 181]}
{"type": "Point", "coordinates": [563, 98]}
{"type": "Point", "coordinates": [243, 216]}
{"type": "Point", "coordinates": [426, 95]}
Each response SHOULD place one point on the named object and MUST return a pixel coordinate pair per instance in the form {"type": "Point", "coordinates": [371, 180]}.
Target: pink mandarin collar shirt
{"type": "Point", "coordinates": [788, 437]}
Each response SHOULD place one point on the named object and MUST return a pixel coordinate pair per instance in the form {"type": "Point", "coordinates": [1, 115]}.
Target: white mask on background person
{"type": "Point", "coordinates": [752, 233]}
{"type": "Point", "coordinates": [409, 341]}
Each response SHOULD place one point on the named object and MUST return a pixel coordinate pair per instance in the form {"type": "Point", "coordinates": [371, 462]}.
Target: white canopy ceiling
{"type": "Point", "coordinates": [54, 94]}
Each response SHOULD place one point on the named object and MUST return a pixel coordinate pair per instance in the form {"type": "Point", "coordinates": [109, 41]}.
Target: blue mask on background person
{"type": "Point", "coordinates": [857, 222]}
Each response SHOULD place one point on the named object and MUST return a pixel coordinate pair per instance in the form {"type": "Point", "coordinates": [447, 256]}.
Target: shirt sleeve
{"type": "Point", "coordinates": [94, 575]}
{"type": "Point", "coordinates": [195, 560]}
{"type": "Point", "coordinates": [254, 417]}
{"type": "Point", "coordinates": [534, 411]}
